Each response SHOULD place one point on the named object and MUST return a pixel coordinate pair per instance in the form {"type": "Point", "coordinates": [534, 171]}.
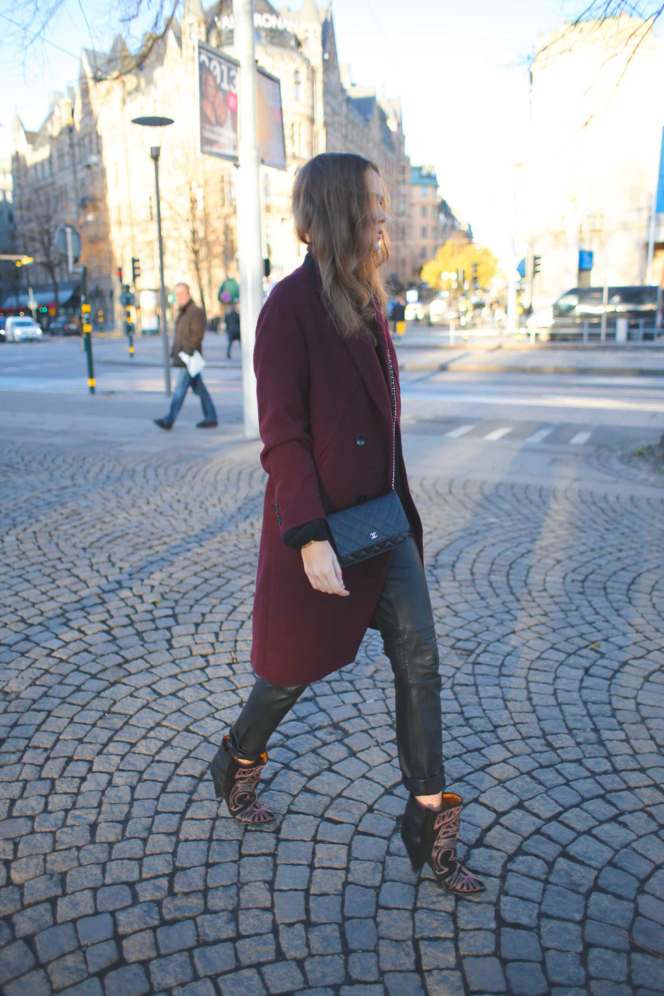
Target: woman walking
{"type": "Point", "coordinates": [329, 408]}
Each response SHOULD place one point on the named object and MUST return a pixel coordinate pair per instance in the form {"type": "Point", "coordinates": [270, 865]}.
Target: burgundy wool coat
{"type": "Point", "coordinates": [325, 420]}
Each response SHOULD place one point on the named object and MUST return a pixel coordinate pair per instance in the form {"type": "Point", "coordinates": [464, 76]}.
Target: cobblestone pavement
{"type": "Point", "coordinates": [125, 628]}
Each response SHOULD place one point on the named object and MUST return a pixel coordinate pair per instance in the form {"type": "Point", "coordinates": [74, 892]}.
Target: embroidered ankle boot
{"type": "Point", "coordinates": [430, 835]}
{"type": "Point", "coordinates": [237, 784]}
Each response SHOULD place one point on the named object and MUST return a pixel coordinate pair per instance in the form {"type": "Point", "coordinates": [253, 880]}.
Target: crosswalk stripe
{"type": "Point", "coordinates": [579, 439]}
{"type": "Point", "coordinates": [498, 433]}
{"type": "Point", "coordinates": [538, 436]}
{"type": "Point", "coordinates": [460, 431]}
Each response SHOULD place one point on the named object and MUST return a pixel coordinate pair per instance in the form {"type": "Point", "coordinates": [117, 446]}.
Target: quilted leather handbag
{"type": "Point", "coordinates": [376, 525]}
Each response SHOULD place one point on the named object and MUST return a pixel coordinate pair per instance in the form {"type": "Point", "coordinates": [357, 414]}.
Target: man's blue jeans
{"type": "Point", "coordinates": [179, 394]}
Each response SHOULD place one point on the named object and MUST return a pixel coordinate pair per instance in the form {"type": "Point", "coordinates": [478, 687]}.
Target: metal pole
{"type": "Point", "coordinates": [250, 245]}
{"type": "Point", "coordinates": [605, 299]}
{"type": "Point", "coordinates": [154, 152]}
{"type": "Point", "coordinates": [651, 235]}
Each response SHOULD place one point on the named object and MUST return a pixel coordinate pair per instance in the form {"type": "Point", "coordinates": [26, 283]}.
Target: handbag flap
{"type": "Point", "coordinates": [368, 524]}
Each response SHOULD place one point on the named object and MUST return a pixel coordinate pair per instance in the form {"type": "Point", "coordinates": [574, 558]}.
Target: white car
{"type": "Point", "coordinates": [21, 328]}
{"type": "Point", "coordinates": [541, 320]}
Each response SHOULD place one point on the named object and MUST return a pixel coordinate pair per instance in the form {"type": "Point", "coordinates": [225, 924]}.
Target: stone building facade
{"type": "Point", "coordinates": [8, 274]}
{"type": "Point", "coordinates": [89, 166]}
{"type": "Point", "coordinates": [593, 154]}
{"type": "Point", "coordinates": [429, 219]}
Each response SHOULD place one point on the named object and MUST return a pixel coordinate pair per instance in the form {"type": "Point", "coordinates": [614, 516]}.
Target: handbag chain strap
{"type": "Point", "coordinates": [393, 392]}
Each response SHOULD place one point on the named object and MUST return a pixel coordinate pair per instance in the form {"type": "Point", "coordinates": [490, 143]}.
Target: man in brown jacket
{"type": "Point", "coordinates": [189, 332]}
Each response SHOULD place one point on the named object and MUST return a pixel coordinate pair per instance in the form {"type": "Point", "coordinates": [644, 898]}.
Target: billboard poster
{"type": "Point", "coordinates": [217, 102]}
{"type": "Point", "coordinates": [269, 121]}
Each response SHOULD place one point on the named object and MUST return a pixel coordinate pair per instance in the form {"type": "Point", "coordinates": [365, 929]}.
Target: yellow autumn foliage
{"type": "Point", "coordinates": [459, 254]}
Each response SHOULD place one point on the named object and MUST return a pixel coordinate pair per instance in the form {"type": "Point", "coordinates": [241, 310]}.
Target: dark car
{"type": "Point", "coordinates": [584, 307]}
{"type": "Point", "coordinates": [63, 325]}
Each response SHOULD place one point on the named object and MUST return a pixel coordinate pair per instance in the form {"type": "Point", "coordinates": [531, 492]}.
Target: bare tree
{"type": "Point", "coordinates": [37, 233]}
{"type": "Point", "coordinates": [198, 244]}
{"type": "Point", "coordinates": [600, 12]}
{"type": "Point", "coordinates": [33, 19]}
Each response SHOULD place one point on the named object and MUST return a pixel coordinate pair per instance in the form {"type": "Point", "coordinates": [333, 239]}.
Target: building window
{"type": "Point", "coordinates": [297, 85]}
{"type": "Point", "coordinates": [423, 231]}
{"type": "Point", "coordinates": [423, 210]}
{"type": "Point", "coordinates": [423, 252]}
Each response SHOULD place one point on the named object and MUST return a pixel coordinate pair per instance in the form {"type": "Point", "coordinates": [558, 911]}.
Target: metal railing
{"type": "Point", "coordinates": [621, 331]}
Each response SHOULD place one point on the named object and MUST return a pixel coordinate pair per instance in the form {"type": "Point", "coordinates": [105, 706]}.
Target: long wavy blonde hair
{"type": "Point", "coordinates": [332, 208]}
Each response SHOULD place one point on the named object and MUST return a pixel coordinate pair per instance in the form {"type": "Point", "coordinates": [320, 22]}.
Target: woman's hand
{"type": "Point", "coordinates": [322, 568]}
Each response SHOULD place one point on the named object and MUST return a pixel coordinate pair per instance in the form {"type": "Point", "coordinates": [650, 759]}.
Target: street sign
{"type": "Point", "coordinates": [68, 242]}
{"type": "Point", "coordinates": [585, 260]}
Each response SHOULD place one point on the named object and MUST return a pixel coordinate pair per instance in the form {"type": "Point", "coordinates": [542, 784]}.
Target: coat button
{"type": "Point", "coordinates": [360, 440]}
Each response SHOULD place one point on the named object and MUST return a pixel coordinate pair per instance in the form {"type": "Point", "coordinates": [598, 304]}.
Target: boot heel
{"type": "Point", "coordinates": [217, 780]}
{"type": "Point", "coordinates": [416, 859]}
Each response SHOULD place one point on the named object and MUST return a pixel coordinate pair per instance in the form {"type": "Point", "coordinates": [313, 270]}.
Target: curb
{"type": "Point", "coordinates": [507, 368]}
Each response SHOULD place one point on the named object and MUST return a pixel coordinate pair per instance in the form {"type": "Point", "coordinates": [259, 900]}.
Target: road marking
{"type": "Point", "coordinates": [460, 431]}
{"type": "Point", "coordinates": [541, 400]}
{"type": "Point", "coordinates": [498, 433]}
{"type": "Point", "coordinates": [579, 439]}
{"type": "Point", "coordinates": [538, 436]}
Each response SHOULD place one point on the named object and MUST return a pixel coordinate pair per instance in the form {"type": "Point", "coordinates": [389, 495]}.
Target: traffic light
{"type": "Point", "coordinates": [267, 267]}
{"type": "Point", "coordinates": [476, 282]}
{"type": "Point", "coordinates": [118, 273]}
{"type": "Point", "coordinates": [536, 265]}
{"type": "Point", "coordinates": [135, 269]}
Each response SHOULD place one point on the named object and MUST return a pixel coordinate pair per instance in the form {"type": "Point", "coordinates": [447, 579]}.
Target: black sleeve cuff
{"type": "Point", "coordinates": [299, 535]}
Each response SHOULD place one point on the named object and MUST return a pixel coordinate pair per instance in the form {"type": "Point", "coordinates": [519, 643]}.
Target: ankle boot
{"type": "Point", "coordinates": [237, 784]}
{"type": "Point", "coordinates": [431, 835]}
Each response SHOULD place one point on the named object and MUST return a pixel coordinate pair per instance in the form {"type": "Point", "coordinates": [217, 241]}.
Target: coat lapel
{"type": "Point", "coordinates": [363, 354]}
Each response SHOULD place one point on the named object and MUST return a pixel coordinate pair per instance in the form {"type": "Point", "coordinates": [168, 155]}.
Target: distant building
{"type": "Point", "coordinates": [590, 176]}
{"type": "Point", "coordinates": [8, 275]}
{"type": "Point", "coordinates": [430, 220]}
{"type": "Point", "coordinates": [89, 166]}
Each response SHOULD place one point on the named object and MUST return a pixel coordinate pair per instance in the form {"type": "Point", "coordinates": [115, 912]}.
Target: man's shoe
{"type": "Point", "coordinates": [162, 423]}
{"type": "Point", "coordinates": [207, 423]}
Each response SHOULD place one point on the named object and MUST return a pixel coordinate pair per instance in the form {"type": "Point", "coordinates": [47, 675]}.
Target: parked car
{"type": "Point", "coordinates": [20, 328]}
{"type": "Point", "coordinates": [584, 307]}
{"type": "Point", "coordinates": [63, 325]}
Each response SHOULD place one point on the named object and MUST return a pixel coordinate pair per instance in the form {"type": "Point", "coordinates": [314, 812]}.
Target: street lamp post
{"type": "Point", "coordinates": [154, 152]}
{"type": "Point", "coordinates": [154, 121]}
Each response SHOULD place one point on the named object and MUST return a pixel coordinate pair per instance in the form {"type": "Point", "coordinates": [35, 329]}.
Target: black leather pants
{"type": "Point", "coordinates": [404, 618]}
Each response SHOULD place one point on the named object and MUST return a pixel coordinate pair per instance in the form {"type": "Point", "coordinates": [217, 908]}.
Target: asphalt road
{"type": "Point", "coordinates": [494, 407]}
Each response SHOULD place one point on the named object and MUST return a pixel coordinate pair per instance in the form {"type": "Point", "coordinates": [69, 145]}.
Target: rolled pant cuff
{"type": "Point", "coordinates": [425, 786]}
{"type": "Point", "coordinates": [236, 753]}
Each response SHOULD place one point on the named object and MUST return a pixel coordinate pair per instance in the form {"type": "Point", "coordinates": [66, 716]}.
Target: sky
{"type": "Point", "coordinates": [458, 68]}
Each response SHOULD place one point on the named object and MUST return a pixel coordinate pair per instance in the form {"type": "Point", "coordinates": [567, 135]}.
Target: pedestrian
{"type": "Point", "coordinates": [188, 338]}
{"type": "Point", "coordinates": [398, 315]}
{"type": "Point", "coordinates": [232, 323]}
{"type": "Point", "coordinates": [329, 406]}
